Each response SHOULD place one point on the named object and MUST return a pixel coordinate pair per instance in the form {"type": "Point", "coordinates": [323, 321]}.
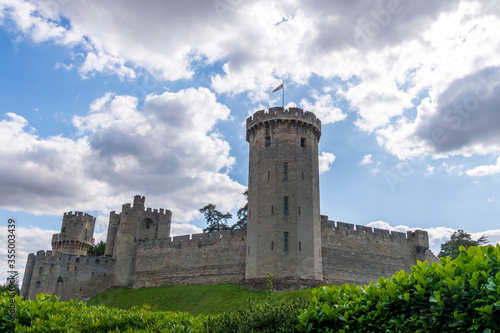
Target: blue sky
{"type": "Point", "coordinates": [102, 101]}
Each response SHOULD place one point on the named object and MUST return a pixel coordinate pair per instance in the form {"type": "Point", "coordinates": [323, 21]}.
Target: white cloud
{"type": "Point", "coordinates": [403, 65]}
{"type": "Point", "coordinates": [367, 159]}
{"type": "Point", "coordinates": [430, 169]}
{"type": "Point", "coordinates": [179, 229]}
{"type": "Point", "coordinates": [28, 240]}
{"type": "Point", "coordinates": [484, 170]}
{"type": "Point", "coordinates": [324, 108]}
{"type": "Point", "coordinates": [325, 161]}
{"type": "Point", "coordinates": [169, 151]}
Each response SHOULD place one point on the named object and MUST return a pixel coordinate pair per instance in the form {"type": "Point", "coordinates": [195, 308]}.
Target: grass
{"type": "Point", "coordinates": [196, 299]}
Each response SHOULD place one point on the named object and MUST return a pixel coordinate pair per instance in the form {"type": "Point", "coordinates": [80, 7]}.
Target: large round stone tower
{"type": "Point", "coordinates": [77, 234]}
{"type": "Point", "coordinates": [284, 225]}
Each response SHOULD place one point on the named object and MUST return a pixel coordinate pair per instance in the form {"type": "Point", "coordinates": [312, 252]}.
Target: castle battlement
{"type": "Point", "coordinates": [79, 216]}
{"type": "Point", "coordinates": [419, 237]}
{"type": "Point", "coordinates": [276, 114]}
{"type": "Point", "coordinates": [50, 257]}
{"type": "Point", "coordinates": [195, 238]}
{"type": "Point", "coordinates": [138, 205]}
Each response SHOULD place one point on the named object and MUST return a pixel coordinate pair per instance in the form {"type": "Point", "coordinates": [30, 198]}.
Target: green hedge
{"type": "Point", "coordinates": [47, 314]}
{"type": "Point", "coordinates": [456, 296]}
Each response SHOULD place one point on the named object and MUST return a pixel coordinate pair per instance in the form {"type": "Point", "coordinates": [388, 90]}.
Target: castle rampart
{"type": "Point", "coordinates": [217, 257]}
{"type": "Point", "coordinates": [360, 254]}
{"type": "Point", "coordinates": [68, 276]}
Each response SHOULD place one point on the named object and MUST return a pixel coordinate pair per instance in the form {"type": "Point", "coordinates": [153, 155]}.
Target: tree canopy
{"type": "Point", "coordinates": [216, 220]}
{"type": "Point", "coordinates": [97, 250]}
{"type": "Point", "coordinates": [459, 238]}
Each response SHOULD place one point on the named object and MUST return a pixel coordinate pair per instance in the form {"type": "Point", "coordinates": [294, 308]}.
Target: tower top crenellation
{"type": "Point", "coordinates": [291, 114]}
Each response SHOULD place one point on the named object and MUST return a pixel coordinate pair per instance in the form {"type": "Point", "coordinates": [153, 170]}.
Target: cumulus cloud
{"type": "Point", "coordinates": [466, 116]}
{"type": "Point", "coordinates": [325, 161]}
{"type": "Point", "coordinates": [170, 150]}
{"type": "Point", "coordinates": [179, 229]}
{"type": "Point", "coordinates": [405, 65]}
{"type": "Point", "coordinates": [324, 108]}
{"type": "Point", "coordinates": [485, 170]}
{"type": "Point", "coordinates": [28, 240]}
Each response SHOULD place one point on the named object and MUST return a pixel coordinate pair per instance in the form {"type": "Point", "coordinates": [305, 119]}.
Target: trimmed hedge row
{"type": "Point", "coordinates": [456, 296]}
{"type": "Point", "coordinates": [47, 314]}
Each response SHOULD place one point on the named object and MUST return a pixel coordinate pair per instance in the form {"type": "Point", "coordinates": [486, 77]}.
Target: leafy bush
{"type": "Point", "coordinates": [47, 314]}
{"type": "Point", "coordinates": [270, 316]}
{"type": "Point", "coordinates": [456, 296]}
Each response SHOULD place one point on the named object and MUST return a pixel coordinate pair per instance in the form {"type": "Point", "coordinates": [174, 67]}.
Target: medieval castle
{"type": "Point", "coordinates": [285, 233]}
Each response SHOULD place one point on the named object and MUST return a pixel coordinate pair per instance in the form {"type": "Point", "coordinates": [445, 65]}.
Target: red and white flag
{"type": "Point", "coordinates": [278, 88]}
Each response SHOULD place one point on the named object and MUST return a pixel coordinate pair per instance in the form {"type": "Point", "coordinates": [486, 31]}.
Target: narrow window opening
{"type": "Point", "coordinates": [272, 209]}
{"type": "Point", "coordinates": [299, 210]}
{"type": "Point", "coordinates": [268, 141]}
{"type": "Point", "coordinates": [37, 284]}
{"type": "Point", "coordinates": [300, 246]}
{"type": "Point", "coordinates": [64, 229]}
{"type": "Point", "coordinates": [40, 270]}
{"type": "Point", "coordinates": [272, 246]}
{"type": "Point", "coordinates": [249, 250]}
{"type": "Point", "coordinates": [285, 242]}
{"type": "Point", "coordinates": [285, 211]}
{"type": "Point", "coordinates": [303, 142]}
{"type": "Point", "coordinates": [285, 171]}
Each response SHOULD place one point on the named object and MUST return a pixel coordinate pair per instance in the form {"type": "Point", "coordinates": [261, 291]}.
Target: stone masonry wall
{"type": "Point", "coordinates": [196, 259]}
{"type": "Point", "coordinates": [362, 255]}
{"type": "Point", "coordinates": [68, 276]}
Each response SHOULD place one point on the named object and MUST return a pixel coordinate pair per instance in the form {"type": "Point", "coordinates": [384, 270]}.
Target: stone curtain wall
{"type": "Point", "coordinates": [65, 275]}
{"type": "Point", "coordinates": [359, 254]}
{"type": "Point", "coordinates": [196, 259]}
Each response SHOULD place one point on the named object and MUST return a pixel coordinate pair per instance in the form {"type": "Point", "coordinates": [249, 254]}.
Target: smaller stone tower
{"type": "Point", "coordinates": [77, 234]}
{"type": "Point", "coordinates": [135, 223]}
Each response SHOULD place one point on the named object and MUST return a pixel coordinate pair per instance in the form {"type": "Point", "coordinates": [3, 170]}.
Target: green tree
{"type": "Point", "coordinates": [459, 238]}
{"type": "Point", "coordinates": [216, 220]}
{"type": "Point", "coordinates": [242, 214]}
{"type": "Point", "coordinates": [97, 250]}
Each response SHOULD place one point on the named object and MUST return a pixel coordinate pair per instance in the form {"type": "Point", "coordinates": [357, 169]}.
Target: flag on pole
{"type": "Point", "coordinates": [278, 87]}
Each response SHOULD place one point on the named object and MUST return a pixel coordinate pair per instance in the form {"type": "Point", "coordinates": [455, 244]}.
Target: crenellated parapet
{"type": "Point", "coordinates": [49, 257]}
{"type": "Point", "coordinates": [201, 238]}
{"type": "Point", "coordinates": [278, 115]}
{"type": "Point", "coordinates": [418, 238]}
{"type": "Point", "coordinates": [76, 236]}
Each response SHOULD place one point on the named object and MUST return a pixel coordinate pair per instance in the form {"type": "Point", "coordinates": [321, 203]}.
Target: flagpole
{"type": "Point", "coordinates": [283, 97]}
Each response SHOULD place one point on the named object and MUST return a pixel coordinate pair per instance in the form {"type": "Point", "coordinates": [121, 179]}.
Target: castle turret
{"type": "Point", "coordinates": [284, 227]}
{"type": "Point", "coordinates": [135, 223]}
{"type": "Point", "coordinates": [76, 236]}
